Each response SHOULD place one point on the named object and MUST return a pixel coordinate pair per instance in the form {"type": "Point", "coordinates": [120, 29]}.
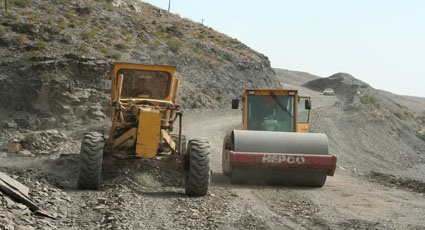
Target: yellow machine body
{"type": "Point", "coordinates": [257, 101]}
{"type": "Point", "coordinates": [148, 133]}
{"type": "Point", "coordinates": [143, 109]}
{"type": "Point", "coordinates": [143, 114]}
{"type": "Point", "coordinates": [274, 146]}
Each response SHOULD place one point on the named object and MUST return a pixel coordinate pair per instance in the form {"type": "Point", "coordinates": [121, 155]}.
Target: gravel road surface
{"type": "Point", "coordinates": [152, 197]}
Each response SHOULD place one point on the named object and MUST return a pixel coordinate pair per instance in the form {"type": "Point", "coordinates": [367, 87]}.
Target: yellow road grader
{"type": "Point", "coordinates": [144, 112]}
{"type": "Point", "coordinates": [274, 146]}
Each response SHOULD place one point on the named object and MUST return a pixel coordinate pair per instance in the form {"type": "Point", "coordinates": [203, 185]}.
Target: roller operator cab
{"type": "Point", "coordinates": [274, 146]}
{"type": "Point", "coordinates": [143, 114]}
{"type": "Point", "coordinates": [275, 110]}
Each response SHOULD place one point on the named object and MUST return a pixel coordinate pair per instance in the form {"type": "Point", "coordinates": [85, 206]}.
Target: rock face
{"type": "Point", "coordinates": [53, 64]}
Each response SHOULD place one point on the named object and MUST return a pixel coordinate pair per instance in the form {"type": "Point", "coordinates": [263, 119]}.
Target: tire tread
{"type": "Point", "coordinates": [91, 157]}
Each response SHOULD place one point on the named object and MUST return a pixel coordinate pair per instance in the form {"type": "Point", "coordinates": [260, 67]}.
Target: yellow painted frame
{"type": "Point", "coordinates": [122, 65]}
{"type": "Point", "coordinates": [277, 92]}
{"type": "Point", "coordinates": [151, 118]}
{"type": "Point", "coordinates": [304, 127]}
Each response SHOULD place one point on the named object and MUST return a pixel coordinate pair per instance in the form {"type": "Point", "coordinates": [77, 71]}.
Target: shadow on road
{"type": "Point", "coordinates": [220, 179]}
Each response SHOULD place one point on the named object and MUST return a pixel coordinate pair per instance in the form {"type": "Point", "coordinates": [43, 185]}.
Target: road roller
{"type": "Point", "coordinates": [274, 145]}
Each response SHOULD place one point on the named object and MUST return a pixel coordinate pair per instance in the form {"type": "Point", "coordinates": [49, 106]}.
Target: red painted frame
{"type": "Point", "coordinates": [286, 160]}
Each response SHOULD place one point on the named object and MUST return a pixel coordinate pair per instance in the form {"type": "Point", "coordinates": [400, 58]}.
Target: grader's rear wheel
{"type": "Point", "coordinates": [91, 157]}
{"type": "Point", "coordinates": [198, 170]}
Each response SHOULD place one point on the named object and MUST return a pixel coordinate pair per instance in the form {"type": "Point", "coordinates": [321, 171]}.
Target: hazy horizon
{"type": "Point", "coordinates": [379, 42]}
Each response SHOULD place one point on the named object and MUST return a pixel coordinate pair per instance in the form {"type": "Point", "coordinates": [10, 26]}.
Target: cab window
{"type": "Point", "coordinates": [265, 113]}
{"type": "Point", "coordinates": [303, 113]}
{"type": "Point", "coordinates": [145, 83]}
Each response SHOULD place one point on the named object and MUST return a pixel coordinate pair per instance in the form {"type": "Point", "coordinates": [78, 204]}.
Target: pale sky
{"type": "Point", "coordinates": [381, 42]}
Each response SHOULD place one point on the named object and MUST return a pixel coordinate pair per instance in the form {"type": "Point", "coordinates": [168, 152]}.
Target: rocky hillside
{"type": "Point", "coordinates": [416, 104]}
{"type": "Point", "coordinates": [56, 53]}
{"type": "Point", "coordinates": [290, 77]}
{"type": "Point", "coordinates": [368, 129]}
{"type": "Point", "coordinates": [355, 92]}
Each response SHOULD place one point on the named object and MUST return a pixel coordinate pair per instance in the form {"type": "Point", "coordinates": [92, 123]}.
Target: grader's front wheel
{"type": "Point", "coordinates": [197, 168]}
{"type": "Point", "coordinates": [91, 157]}
{"type": "Point", "coordinates": [175, 138]}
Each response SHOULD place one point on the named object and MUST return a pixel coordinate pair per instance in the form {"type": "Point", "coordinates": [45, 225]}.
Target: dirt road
{"type": "Point", "coordinates": [144, 197]}
{"type": "Point", "coordinates": [346, 201]}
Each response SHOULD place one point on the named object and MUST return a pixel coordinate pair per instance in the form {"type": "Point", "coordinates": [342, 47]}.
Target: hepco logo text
{"type": "Point", "coordinates": [277, 159]}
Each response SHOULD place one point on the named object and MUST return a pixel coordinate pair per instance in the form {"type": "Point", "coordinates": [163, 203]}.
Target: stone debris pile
{"type": "Point", "coordinates": [36, 143]}
{"type": "Point", "coordinates": [46, 204]}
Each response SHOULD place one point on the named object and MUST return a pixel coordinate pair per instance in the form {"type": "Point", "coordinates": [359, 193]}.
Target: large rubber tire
{"type": "Point", "coordinates": [198, 169]}
{"type": "Point", "coordinates": [91, 157]}
{"type": "Point", "coordinates": [184, 146]}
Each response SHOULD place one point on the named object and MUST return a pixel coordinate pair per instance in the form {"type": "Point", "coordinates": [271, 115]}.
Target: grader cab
{"type": "Point", "coordinates": [144, 113]}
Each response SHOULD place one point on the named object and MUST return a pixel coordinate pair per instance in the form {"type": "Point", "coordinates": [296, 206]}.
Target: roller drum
{"type": "Point", "coordinates": [280, 142]}
{"type": "Point", "coordinates": [248, 141]}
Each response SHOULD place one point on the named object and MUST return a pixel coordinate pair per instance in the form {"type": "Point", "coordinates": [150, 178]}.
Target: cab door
{"type": "Point", "coordinates": [304, 107]}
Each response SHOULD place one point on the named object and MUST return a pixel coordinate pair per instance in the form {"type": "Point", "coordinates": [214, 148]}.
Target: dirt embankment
{"type": "Point", "coordinates": [368, 130]}
{"type": "Point", "coordinates": [293, 78]}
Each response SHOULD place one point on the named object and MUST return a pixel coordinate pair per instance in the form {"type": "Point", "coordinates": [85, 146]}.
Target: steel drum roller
{"type": "Point", "coordinates": [280, 142]}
